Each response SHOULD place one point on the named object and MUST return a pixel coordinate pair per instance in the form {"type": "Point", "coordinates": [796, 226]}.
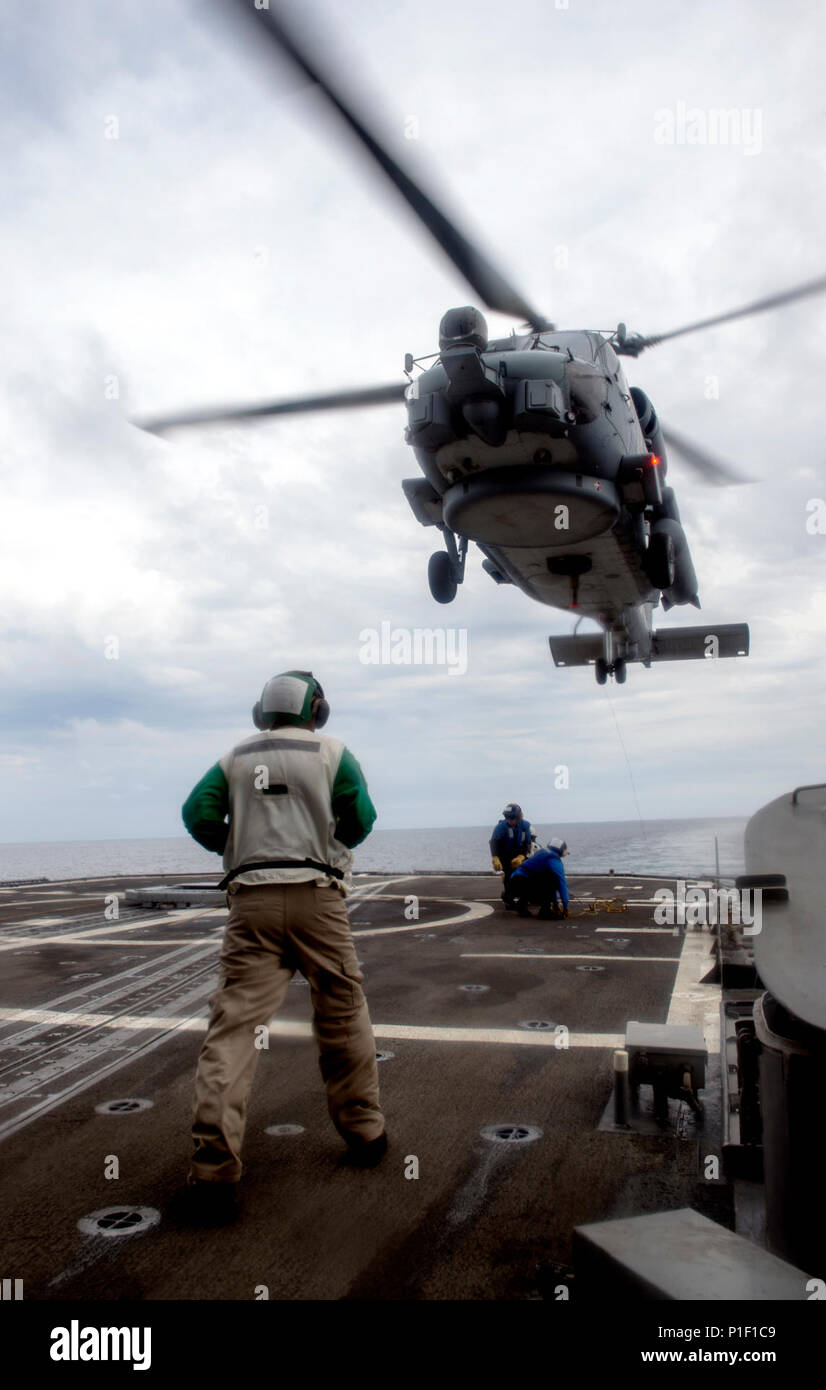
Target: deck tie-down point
{"type": "Point", "coordinates": [122, 1107]}
{"type": "Point", "coordinates": [119, 1221]}
{"type": "Point", "coordinates": [511, 1134]}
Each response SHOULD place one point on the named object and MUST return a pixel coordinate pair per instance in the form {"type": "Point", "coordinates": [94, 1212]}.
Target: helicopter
{"type": "Point", "coordinates": [532, 446]}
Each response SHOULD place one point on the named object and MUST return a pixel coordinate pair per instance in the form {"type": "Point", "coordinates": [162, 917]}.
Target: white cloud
{"type": "Point", "coordinates": [231, 245]}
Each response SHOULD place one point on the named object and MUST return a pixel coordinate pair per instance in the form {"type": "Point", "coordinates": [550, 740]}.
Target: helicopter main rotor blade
{"type": "Point", "coordinates": [336, 400]}
{"type": "Point", "coordinates": [493, 288]}
{"type": "Point", "coordinates": [712, 469]}
{"type": "Point", "coordinates": [758, 306]}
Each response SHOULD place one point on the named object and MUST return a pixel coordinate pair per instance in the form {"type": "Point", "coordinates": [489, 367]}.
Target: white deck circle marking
{"type": "Point", "coordinates": [473, 911]}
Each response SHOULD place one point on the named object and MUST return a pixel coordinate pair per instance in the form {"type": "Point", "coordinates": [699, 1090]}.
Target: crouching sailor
{"type": "Point", "coordinates": [541, 879]}
{"type": "Point", "coordinates": [297, 804]}
{"type": "Point", "coordinates": [511, 842]}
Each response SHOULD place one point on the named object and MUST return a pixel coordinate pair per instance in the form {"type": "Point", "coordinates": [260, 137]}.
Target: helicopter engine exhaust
{"type": "Point", "coordinates": [684, 588]}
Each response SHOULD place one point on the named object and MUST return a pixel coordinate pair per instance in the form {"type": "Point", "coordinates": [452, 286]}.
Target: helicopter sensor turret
{"type": "Point", "coordinates": [465, 327]}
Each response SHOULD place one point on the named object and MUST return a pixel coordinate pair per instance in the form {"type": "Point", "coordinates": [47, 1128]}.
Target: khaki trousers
{"type": "Point", "coordinates": [273, 930]}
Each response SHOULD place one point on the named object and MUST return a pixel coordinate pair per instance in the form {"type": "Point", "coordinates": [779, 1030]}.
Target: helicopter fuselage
{"type": "Point", "coordinates": [536, 448]}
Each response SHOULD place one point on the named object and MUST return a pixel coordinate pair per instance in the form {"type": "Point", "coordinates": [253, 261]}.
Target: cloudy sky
{"type": "Point", "coordinates": [183, 224]}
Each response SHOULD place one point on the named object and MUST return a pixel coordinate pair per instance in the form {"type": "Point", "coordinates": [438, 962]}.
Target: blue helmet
{"type": "Point", "coordinates": [512, 812]}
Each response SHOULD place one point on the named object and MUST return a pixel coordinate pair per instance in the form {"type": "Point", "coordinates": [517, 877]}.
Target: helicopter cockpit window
{"type": "Point", "coordinates": [607, 357]}
{"type": "Point", "coordinates": [581, 346]}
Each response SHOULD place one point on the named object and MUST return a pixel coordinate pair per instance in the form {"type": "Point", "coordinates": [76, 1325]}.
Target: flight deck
{"type": "Point", "coordinates": [495, 1036]}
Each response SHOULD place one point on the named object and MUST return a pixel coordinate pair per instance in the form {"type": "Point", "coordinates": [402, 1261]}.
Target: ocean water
{"type": "Point", "coordinates": [674, 848]}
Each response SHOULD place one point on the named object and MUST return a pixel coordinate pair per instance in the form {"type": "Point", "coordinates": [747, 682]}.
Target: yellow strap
{"type": "Point", "coordinates": [602, 905]}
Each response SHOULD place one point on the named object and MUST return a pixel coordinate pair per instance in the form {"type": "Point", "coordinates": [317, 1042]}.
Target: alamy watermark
{"type": "Point", "coordinates": [710, 125]}
{"type": "Point", "coordinates": [417, 646]}
{"type": "Point", "coordinates": [700, 906]}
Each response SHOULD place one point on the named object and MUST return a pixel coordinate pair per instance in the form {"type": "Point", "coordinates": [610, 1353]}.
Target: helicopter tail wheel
{"type": "Point", "coordinates": [601, 670]}
{"type": "Point", "coordinates": [441, 577]}
{"type": "Point", "coordinates": [660, 561]}
{"type": "Point", "coordinates": [620, 671]}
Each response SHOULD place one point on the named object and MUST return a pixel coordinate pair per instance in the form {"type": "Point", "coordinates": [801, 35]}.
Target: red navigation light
{"type": "Point", "coordinates": [655, 461]}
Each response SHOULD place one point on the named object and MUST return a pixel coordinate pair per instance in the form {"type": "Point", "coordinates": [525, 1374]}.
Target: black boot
{"type": "Point", "coordinates": [367, 1153]}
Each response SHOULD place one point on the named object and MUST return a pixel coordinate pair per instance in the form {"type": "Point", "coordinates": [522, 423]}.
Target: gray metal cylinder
{"type": "Point", "coordinates": [792, 1070]}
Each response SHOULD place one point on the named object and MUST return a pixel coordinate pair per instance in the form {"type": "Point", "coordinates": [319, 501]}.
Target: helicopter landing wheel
{"type": "Point", "coordinates": [620, 671]}
{"type": "Point", "coordinates": [601, 670]}
{"type": "Point", "coordinates": [441, 577]}
{"type": "Point", "coordinates": [660, 561]}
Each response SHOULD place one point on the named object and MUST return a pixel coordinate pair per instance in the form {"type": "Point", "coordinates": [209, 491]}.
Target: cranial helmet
{"type": "Point", "coordinates": [561, 846]}
{"type": "Point", "coordinates": [291, 698]}
{"type": "Point", "coordinates": [512, 812]}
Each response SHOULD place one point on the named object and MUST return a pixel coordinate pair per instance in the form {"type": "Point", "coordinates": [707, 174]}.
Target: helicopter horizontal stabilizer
{"type": "Point", "coordinates": [675, 644]}
{"type": "Point", "coordinates": [694, 643]}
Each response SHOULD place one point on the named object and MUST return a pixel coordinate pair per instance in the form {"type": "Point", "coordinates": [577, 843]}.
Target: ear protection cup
{"type": "Point", "coordinates": [319, 705]}
{"type": "Point", "coordinates": [257, 717]}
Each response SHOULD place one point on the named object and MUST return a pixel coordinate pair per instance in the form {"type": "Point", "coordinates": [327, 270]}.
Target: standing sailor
{"type": "Point", "coordinates": [511, 841]}
{"type": "Point", "coordinates": [297, 804]}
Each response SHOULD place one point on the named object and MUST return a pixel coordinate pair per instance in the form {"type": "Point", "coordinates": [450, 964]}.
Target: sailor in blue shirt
{"type": "Point", "coordinates": [511, 842]}
{"type": "Point", "coordinates": [541, 879]}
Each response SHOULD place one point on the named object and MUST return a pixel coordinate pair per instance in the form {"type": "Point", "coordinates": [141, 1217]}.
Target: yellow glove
{"type": "Point", "coordinates": [496, 864]}
{"type": "Point", "coordinates": [520, 859]}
